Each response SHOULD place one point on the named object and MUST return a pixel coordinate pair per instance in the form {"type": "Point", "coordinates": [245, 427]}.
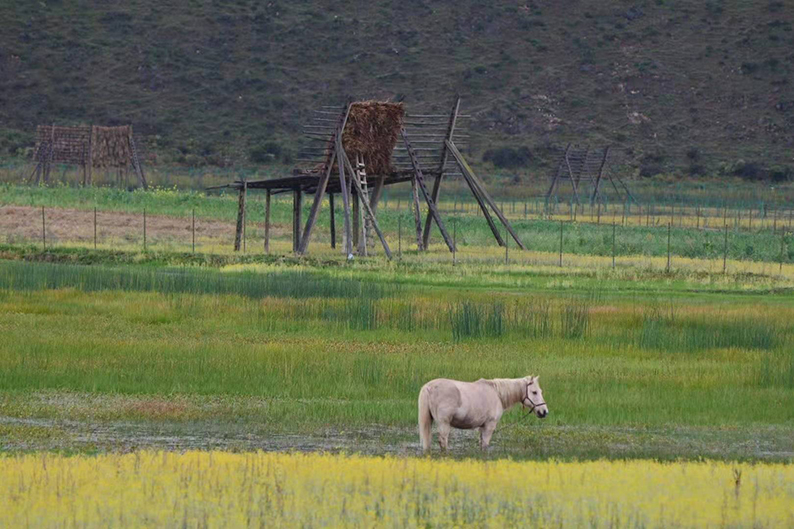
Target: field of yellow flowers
{"type": "Point", "coordinates": [166, 489]}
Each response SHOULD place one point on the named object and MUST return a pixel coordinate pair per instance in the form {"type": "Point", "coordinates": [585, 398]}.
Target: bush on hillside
{"type": "Point", "coordinates": [508, 157]}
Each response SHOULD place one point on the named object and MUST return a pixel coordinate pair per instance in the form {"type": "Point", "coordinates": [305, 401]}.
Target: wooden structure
{"type": "Point", "coordinates": [586, 170]}
{"type": "Point", "coordinates": [357, 150]}
{"type": "Point", "coordinates": [87, 147]}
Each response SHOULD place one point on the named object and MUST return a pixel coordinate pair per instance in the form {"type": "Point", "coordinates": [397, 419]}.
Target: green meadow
{"type": "Point", "coordinates": [282, 349]}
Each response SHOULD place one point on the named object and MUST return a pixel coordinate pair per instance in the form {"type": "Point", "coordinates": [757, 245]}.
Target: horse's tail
{"type": "Point", "coordinates": [425, 419]}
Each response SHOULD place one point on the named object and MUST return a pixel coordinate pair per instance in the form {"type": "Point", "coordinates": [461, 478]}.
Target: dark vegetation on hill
{"type": "Point", "coordinates": [685, 86]}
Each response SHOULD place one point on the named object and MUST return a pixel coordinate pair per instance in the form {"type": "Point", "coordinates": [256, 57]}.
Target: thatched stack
{"type": "Point", "coordinates": [61, 144]}
{"type": "Point", "coordinates": [372, 131]}
{"type": "Point", "coordinates": [111, 147]}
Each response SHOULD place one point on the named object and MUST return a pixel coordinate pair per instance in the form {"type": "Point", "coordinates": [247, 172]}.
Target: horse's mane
{"type": "Point", "coordinates": [509, 390]}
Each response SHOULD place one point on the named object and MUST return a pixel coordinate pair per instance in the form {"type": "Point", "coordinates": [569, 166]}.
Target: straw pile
{"type": "Point", "coordinates": [110, 146]}
{"type": "Point", "coordinates": [372, 131]}
{"type": "Point", "coordinates": [61, 144]}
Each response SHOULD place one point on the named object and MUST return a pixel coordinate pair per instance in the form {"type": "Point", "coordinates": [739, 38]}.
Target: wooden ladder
{"type": "Point", "coordinates": [365, 221]}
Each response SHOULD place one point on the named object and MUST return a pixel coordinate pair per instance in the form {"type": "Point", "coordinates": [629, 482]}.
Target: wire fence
{"type": "Point", "coordinates": [701, 240]}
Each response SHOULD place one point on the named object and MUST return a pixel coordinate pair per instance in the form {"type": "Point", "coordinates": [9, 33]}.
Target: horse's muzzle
{"type": "Point", "coordinates": [542, 414]}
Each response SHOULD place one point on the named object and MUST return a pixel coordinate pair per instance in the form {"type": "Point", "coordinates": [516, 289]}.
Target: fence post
{"type": "Point", "coordinates": [94, 228]}
{"type": "Point", "coordinates": [725, 251]}
{"type": "Point", "coordinates": [669, 228]}
{"type": "Point", "coordinates": [613, 244]}
{"type": "Point", "coordinates": [43, 229]}
{"type": "Point", "coordinates": [561, 225]}
{"type": "Point", "coordinates": [782, 249]}
{"type": "Point", "coordinates": [144, 229]}
{"type": "Point", "coordinates": [193, 230]}
{"type": "Point", "coordinates": [399, 235]}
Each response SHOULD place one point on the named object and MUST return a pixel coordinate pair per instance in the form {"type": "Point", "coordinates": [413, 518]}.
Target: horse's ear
{"type": "Point", "coordinates": [532, 379]}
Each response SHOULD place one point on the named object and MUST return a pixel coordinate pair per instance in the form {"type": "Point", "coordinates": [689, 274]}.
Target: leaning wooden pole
{"type": "Point", "coordinates": [556, 176]}
{"type": "Point", "coordinates": [431, 205]}
{"type": "Point", "coordinates": [600, 177]}
{"type": "Point", "coordinates": [323, 183]}
{"type": "Point", "coordinates": [345, 199]}
{"type": "Point", "coordinates": [464, 166]}
{"type": "Point", "coordinates": [367, 208]}
{"type": "Point", "coordinates": [453, 118]}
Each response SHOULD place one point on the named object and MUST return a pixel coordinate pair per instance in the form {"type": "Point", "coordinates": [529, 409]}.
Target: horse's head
{"type": "Point", "coordinates": [533, 398]}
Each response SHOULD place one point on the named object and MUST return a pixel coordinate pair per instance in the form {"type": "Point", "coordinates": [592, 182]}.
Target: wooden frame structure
{"type": "Point", "coordinates": [583, 166]}
{"type": "Point", "coordinates": [426, 149]}
{"type": "Point", "coordinates": [87, 147]}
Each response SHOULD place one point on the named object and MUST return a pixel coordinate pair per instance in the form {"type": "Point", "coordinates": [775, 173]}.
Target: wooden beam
{"type": "Point", "coordinates": [345, 198]}
{"type": "Point", "coordinates": [297, 207]}
{"type": "Point", "coordinates": [420, 181]}
{"type": "Point", "coordinates": [267, 221]}
{"type": "Point", "coordinates": [319, 192]}
{"type": "Point", "coordinates": [453, 118]}
{"type": "Point", "coordinates": [556, 176]}
{"type": "Point", "coordinates": [600, 176]}
{"type": "Point", "coordinates": [238, 234]}
{"type": "Point", "coordinates": [484, 194]}
{"type": "Point", "coordinates": [367, 210]}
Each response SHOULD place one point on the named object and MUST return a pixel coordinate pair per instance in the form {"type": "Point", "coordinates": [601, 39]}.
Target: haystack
{"type": "Point", "coordinates": [371, 132]}
{"type": "Point", "coordinates": [111, 146]}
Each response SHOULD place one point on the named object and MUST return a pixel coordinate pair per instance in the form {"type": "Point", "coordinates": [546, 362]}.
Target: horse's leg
{"type": "Point", "coordinates": [443, 435]}
{"type": "Point", "coordinates": [486, 431]}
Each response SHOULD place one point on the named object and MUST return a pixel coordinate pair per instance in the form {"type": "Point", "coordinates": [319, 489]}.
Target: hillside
{"type": "Point", "coordinates": [678, 85]}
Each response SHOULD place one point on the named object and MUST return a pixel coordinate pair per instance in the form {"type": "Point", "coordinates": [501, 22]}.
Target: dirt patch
{"type": "Point", "coordinates": [24, 224]}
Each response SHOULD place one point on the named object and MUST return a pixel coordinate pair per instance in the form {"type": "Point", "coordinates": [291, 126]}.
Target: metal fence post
{"type": "Point", "coordinates": [144, 229]}
{"type": "Point", "coordinates": [94, 228]}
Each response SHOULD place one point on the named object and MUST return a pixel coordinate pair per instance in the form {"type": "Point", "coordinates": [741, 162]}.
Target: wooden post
{"type": "Point", "coordinates": [90, 162]}
{"type": "Point", "coordinates": [267, 221]}
{"type": "Point", "coordinates": [144, 229]}
{"type": "Point", "coordinates": [561, 228]}
{"type": "Point", "coordinates": [297, 207]}
{"type": "Point", "coordinates": [669, 228]}
{"type": "Point", "coordinates": [782, 249]}
{"type": "Point", "coordinates": [241, 198]}
{"type": "Point", "coordinates": [613, 244]}
{"type": "Point", "coordinates": [725, 251]}
{"type": "Point", "coordinates": [356, 215]}
{"type": "Point", "coordinates": [417, 213]}
{"type": "Point", "coordinates": [400, 236]}
{"type": "Point", "coordinates": [193, 230]}
{"type": "Point", "coordinates": [94, 228]}
{"type": "Point", "coordinates": [43, 230]}
{"type": "Point", "coordinates": [333, 220]}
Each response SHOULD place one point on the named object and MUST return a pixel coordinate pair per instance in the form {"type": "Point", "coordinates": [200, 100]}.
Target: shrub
{"type": "Point", "coordinates": [508, 157]}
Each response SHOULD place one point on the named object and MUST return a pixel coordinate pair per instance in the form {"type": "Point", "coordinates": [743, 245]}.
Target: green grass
{"type": "Point", "coordinates": [361, 360]}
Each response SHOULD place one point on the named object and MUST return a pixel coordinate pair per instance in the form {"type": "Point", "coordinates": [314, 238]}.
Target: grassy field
{"type": "Point", "coordinates": [701, 242]}
{"type": "Point", "coordinates": [187, 373]}
{"type": "Point", "coordinates": [312, 490]}
{"type": "Point", "coordinates": [285, 348]}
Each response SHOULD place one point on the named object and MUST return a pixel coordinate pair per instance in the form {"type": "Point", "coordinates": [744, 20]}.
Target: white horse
{"type": "Point", "coordinates": [467, 405]}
